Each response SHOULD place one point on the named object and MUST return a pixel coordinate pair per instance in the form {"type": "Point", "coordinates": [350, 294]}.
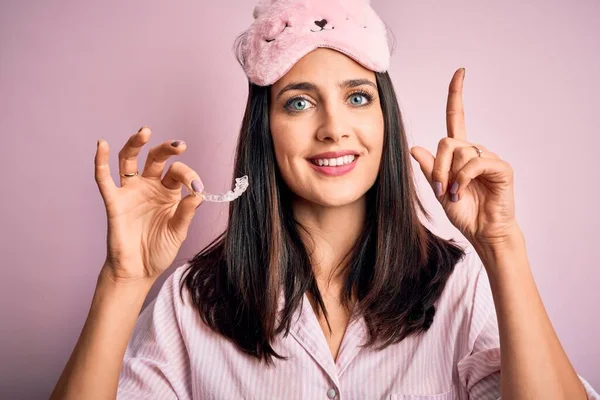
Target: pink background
{"type": "Point", "coordinates": [72, 72]}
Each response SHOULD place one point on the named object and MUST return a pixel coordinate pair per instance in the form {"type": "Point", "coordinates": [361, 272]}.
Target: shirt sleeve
{"type": "Point", "coordinates": [479, 370]}
{"type": "Point", "coordinates": [156, 363]}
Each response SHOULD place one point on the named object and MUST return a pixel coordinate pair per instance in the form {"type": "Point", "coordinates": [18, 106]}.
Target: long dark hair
{"type": "Point", "coordinates": [397, 268]}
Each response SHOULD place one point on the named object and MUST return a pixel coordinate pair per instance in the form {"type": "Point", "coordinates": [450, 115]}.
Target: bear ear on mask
{"type": "Point", "coordinates": [261, 7]}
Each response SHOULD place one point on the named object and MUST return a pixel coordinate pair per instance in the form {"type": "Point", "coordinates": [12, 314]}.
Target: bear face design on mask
{"type": "Point", "coordinates": [286, 30]}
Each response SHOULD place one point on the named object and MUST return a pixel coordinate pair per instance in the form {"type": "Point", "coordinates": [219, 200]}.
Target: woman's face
{"type": "Point", "coordinates": [327, 103]}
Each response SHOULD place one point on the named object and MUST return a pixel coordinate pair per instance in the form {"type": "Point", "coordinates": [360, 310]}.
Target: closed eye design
{"type": "Point", "coordinates": [286, 26]}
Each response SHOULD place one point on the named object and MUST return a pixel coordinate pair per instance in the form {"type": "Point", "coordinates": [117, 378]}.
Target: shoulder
{"type": "Point", "coordinates": [171, 291]}
{"type": "Point", "coordinates": [467, 273]}
{"type": "Point", "coordinates": [467, 287]}
{"type": "Point", "coordinates": [176, 278]}
{"type": "Point", "coordinates": [156, 359]}
{"type": "Point", "coordinates": [176, 299]}
{"type": "Point", "coordinates": [168, 303]}
{"type": "Point", "coordinates": [171, 312]}
{"type": "Point", "coordinates": [467, 303]}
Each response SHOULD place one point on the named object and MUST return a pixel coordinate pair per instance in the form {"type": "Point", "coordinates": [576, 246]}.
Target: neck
{"type": "Point", "coordinates": [331, 234]}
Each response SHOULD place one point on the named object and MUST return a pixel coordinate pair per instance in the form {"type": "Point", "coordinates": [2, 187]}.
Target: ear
{"type": "Point", "coordinates": [261, 7]}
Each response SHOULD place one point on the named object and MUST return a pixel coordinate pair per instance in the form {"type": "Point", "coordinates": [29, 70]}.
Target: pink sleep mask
{"type": "Point", "coordinates": [284, 31]}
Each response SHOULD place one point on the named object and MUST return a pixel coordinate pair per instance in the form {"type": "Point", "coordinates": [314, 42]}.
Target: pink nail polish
{"type": "Point", "coordinates": [437, 188]}
{"type": "Point", "coordinates": [454, 188]}
{"type": "Point", "coordinates": [197, 185]}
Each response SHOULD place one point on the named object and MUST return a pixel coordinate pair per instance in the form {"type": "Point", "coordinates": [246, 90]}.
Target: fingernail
{"type": "Point", "coordinates": [454, 197]}
{"type": "Point", "coordinates": [177, 143]}
{"type": "Point", "coordinates": [437, 188]}
{"type": "Point", "coordinates": [139, 130]}
{"type": "Point", "coordinates": [454, 188]}
{"type": "Point", "coordinates": [197, 185]}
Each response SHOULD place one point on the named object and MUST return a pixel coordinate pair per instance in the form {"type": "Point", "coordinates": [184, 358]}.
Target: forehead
{"type": "Point", "coordinates": [323, 67]}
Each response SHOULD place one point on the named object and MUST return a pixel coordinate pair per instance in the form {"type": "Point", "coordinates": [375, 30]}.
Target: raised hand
{"type": "Point", "coordinates": [475, 188]}
{"type": "Point", "coordinates": [148, 219]}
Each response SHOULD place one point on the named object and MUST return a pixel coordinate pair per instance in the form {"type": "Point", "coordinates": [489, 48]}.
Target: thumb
{"type": "Point", "coordinates": [185, 212]}
{"type": "Point", "coordinates": [425, 160]}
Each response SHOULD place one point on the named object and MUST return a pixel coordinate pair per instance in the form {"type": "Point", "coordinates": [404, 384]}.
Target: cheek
{"type": "Point", "coordinates": [379, 130]}
{"type": "Point", "coordinates": [279, 138]}
{"type": "Point", "coordinates": [288, 141]}
{"type": "Point", "coordinates": [371, 129]}
{"type": "Point", "coordinates": [371, 138]}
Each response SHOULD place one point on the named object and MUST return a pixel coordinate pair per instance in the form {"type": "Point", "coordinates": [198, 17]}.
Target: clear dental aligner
{"type": "Point", "coordinates": [241, 184]}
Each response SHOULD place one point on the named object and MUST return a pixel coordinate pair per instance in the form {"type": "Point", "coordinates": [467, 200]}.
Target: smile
{"type": "Point", "coordinates": [334, 166]}
{"type": "Point", "coordinates": [333, 162]}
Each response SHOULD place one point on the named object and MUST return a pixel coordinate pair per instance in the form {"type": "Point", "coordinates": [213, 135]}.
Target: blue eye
{"type": "Point", "coordinates": [358, 99]}
{"type": "Point", "coordinates": [297, 104]}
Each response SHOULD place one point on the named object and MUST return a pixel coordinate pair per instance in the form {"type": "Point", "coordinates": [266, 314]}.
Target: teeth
{"type": "Point", "coordinates": [333, 162]}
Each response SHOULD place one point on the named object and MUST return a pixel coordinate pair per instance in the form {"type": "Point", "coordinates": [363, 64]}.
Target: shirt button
{"type": "Point", "coordinates": [331, 393]}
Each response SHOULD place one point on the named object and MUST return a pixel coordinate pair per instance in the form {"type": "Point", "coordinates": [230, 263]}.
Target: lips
{"type": "Point", "coordinates": [333, 154]}
{"type": "Point", "coordinates": [334, 171]}
{"type": "Point", "coordinates": [334, 162]}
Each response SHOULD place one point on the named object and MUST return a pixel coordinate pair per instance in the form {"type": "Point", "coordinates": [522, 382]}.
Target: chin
{"type": "Point", "coordinates": [335, 199]}
{"type": "Point", "coordinates": [332, 193]}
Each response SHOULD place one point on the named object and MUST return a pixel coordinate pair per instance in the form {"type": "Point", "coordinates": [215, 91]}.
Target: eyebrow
{"type": "Point", "coordinates": [347, 84]}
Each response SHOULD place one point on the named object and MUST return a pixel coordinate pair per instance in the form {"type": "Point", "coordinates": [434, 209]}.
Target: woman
{"type": "Point", "coordinates": [325, 284]}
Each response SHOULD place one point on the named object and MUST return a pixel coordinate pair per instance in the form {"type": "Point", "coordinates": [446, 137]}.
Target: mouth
{"type": "Point", "coordinates": [334, 166]}
{"type": "Point", "coordinates": [334, 162]}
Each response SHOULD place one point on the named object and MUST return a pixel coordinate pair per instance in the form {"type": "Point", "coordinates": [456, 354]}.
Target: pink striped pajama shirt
{"type": "Point", "coordinates": [173, 355]}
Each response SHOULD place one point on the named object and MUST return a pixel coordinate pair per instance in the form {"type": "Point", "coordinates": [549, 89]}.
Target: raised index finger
{"type": "Point", "coordinates": [455, 113]}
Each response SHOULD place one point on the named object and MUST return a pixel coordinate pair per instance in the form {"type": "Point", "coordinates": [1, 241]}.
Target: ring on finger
{"type": "Point", "coordinates": [129, 175]}
{"type": "Point", "coordinates": [479, 151]}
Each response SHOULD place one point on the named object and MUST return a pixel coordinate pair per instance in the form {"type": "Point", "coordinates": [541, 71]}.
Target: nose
{"type": "Point", "coordinates": [321, 24]}
{"type": "Point", "coordinates": [333, 126]}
